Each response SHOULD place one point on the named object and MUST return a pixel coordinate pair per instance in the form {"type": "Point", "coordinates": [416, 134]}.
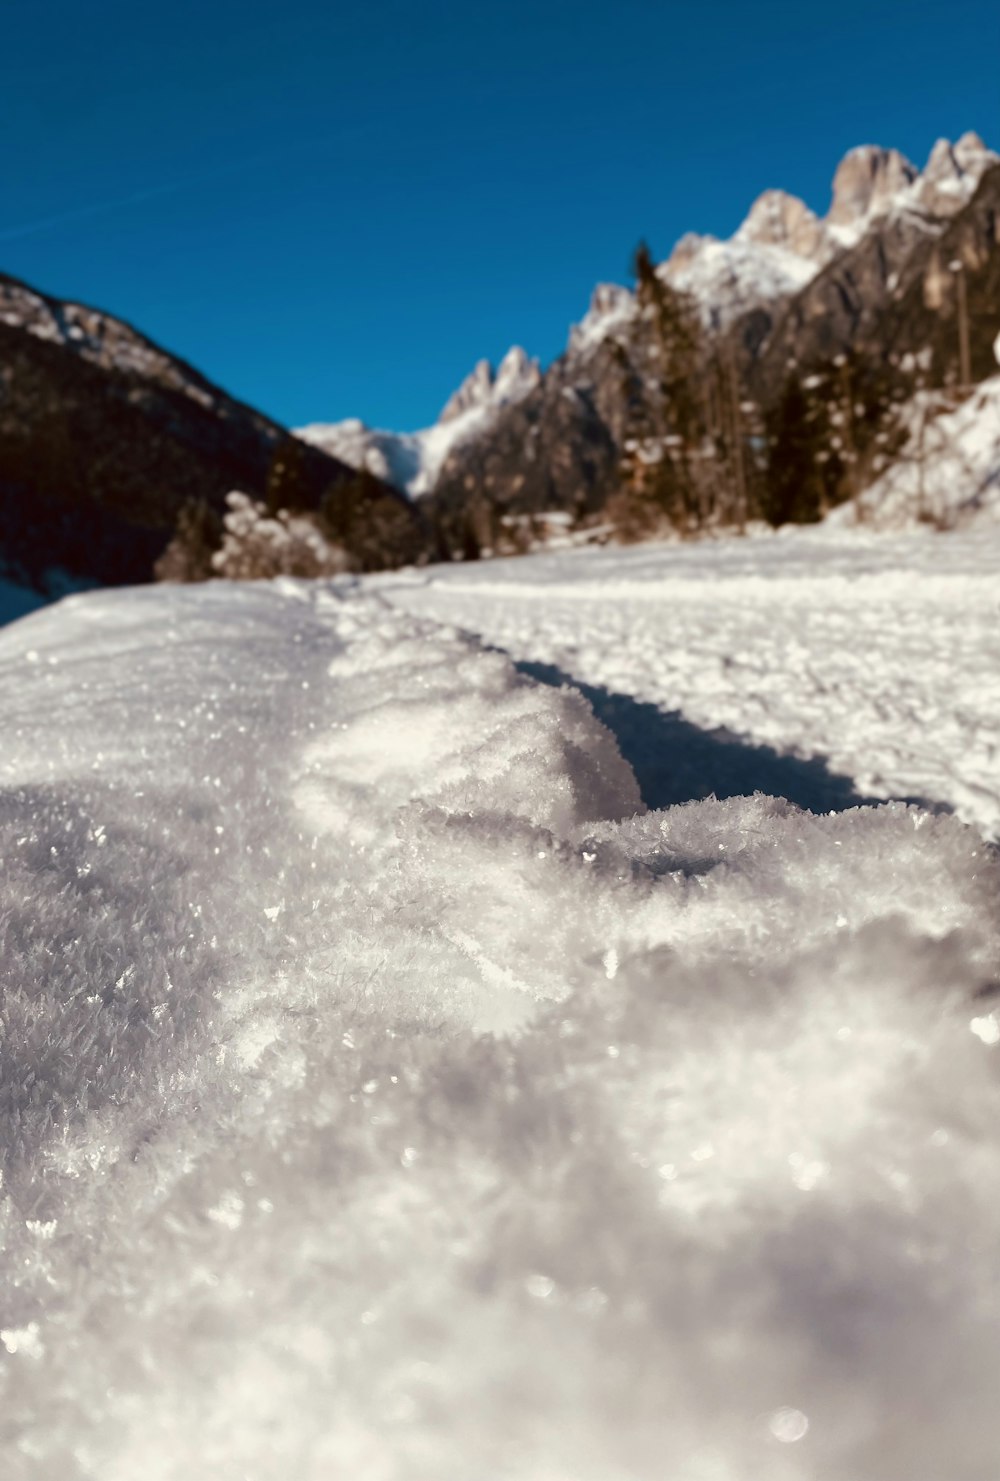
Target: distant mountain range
{"type": "Point", "coordinates": [789, 293]}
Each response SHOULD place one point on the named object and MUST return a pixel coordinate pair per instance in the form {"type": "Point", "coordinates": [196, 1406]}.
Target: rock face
{"type": "Point", "coordinates": [867, 183]}
{"type": "Point", "coordinates": [105, 437]}
{"type": "Point", "coordinates": [777, 219]}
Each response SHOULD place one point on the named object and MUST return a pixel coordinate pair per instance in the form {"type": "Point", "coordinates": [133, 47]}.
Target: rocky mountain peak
{"type": "Point", "coordinates": [514, 378]}
{"type": "Point", "coordinates": [867, 180]}
{"type": "Point", "coordinates": [952, 174]}
{"type": "Point", "coordinates": [777, 219]}
{"type": "Point", "coordinates": [973, 155]}
{"type": "Point", "coordinates": [474, 391]}
{"type": "Point", "coordinates": [610, 306]}
{"type": "Point", "coordinates": [516, 375]}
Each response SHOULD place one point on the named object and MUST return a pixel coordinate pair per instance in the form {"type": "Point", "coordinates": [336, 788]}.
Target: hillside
{"type": "Point", "coordinates": [105, 437]}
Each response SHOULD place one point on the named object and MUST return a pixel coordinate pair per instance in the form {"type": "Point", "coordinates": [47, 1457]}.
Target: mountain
{"type": "Point", "coordinates": [411, 461]}
{"type": "Point", "coordinates": [782, 245]}
{"type": "Point", "coordinates": [105, 438]}
{"type": "Point", "coordinates": [894, 292]}
{"type": "Point", "coordinates": [790, 296]}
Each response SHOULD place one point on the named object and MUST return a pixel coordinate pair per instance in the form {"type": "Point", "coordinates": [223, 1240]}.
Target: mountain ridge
{"type": "Point", "coordinates": [866, 304]}
{"type": "Point", "coordinates": [106, 437]}
{"type": "Point", "coordinates": [783, 254]}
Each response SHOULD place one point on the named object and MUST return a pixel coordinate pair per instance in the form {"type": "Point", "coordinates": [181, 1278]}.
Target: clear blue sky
{"type": "Point", "coordinates": [334, 210]}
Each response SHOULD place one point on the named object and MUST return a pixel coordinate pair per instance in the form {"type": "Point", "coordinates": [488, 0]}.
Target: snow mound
{"type": "Point", "coordinates": [946, 474]}
{"type": "Point", "coordinates": [388, 1094]}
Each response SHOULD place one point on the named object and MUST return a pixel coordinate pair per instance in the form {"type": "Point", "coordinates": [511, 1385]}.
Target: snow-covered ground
{"type": "Point", "coordinates": [390, 1095]}
{"type": "Point", "coordinates": [837, 663]}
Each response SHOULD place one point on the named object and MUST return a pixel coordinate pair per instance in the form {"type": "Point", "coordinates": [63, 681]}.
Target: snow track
{"type": "Point", "coordinates": [389, 1095]}
{"type": "Point", "coordinates": [878, 656]}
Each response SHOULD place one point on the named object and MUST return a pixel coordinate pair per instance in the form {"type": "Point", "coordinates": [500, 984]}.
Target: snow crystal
{"type": "Point", "coordinates": [461, 1117]}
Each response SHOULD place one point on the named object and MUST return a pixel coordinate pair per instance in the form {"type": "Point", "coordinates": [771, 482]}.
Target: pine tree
{"type": "Point", "coordinates": [663, 464]}
{"type": "Point", "coordinates": [287, 480]}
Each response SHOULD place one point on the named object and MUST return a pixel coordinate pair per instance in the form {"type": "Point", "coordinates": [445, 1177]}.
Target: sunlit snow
{"type": "Point", "coordinates": [390, 1092]}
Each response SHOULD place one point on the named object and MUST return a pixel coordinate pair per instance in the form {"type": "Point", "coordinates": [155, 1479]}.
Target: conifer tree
{"type": "Point", "coordinates": [287, 482]}
{"type": "Point", "coordinates": [662, 467]}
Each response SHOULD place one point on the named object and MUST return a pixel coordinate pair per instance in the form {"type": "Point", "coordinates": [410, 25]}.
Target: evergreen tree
{"type": "Point", "coordinates": [287, 481]}
{"type": "Point", "coordinates": [794, 492]}
{"type": "Point", "coordinates": [663, 473]}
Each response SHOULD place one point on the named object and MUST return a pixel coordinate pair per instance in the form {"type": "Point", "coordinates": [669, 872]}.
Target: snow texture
{"type": "Point", "coordinates": [851, 663]}
{"type": "Point", "coordinates": [391, 1095]}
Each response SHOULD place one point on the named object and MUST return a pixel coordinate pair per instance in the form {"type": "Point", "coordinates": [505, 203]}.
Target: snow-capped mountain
{"type": "Point", "coordinates": [782, 244]}
{"type": "Point", "coordinates": [788, 295]}
{"type": "Point", "coordinates": [102, 340]}
{"type": "Point", "coordinates": [411, 461]}
{"type": "Point", "coordinates": [558, 433]}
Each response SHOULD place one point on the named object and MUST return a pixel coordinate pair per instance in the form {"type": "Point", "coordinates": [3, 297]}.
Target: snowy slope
{"type": "Point", "coordinates": [275, 857]}
{"type": "Point", "coordinates": [411, 461]}
{"type": "Point", "coordinates": [947, 472]}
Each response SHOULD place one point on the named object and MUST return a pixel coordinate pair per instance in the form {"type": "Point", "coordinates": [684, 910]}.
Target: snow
{"type": "Point", "coordinates": [728, 279]}
{"type": "Point", "coordinates": [412, 461]}
{"type": "Point", "coordinates": [391, 1093]}
{"type": "Point", "coordinates": [874, 658]}
{"type": "Point", "coordinates": [947, 472]}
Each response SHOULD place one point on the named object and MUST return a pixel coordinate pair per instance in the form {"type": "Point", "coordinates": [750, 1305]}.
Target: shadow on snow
{"type": "Point", "coordinates": [675, 761]}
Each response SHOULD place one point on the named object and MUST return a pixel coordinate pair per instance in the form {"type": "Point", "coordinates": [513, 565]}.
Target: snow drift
{"type": "Point", "coordinates": [947, 472]}
{"type": "Point", "coordinates": [390, 1095]}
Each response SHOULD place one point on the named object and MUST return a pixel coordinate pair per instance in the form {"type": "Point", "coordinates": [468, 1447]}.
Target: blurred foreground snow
{"type": "Point", "coordinates": [388, 1094]}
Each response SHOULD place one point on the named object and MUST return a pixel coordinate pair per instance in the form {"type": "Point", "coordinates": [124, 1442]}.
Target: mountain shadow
{"type": "Point", "coordinates": [675, 761]}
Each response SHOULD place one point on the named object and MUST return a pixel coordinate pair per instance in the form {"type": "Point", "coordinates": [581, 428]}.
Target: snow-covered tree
{"type": "Point", "coordinates": [256, 545]}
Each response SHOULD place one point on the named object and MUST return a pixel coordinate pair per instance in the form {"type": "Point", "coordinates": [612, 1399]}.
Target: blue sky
{"type": "Point", "coordinates": [336, 211]}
